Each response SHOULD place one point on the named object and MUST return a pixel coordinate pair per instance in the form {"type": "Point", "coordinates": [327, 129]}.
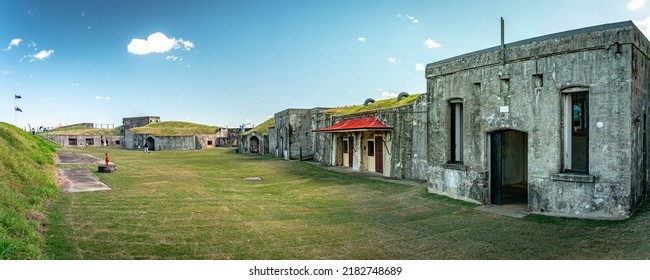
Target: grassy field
{"type": "Point", "coordinates": [197, 205]}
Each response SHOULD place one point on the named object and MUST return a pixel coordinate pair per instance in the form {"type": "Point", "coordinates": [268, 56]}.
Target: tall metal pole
{"type": "Point", "coordinates": [503, 46]}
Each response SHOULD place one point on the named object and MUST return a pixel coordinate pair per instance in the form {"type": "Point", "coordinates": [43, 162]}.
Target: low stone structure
{"type": "Point", "coordinates": [133, 122]}
{"type": "Point", "coordinates": [227, 137]}
{"type": "Point", "coordinates": [87, 140]}
{"type": "Point", "coordinates": [256, 140]}
{"type": "Point", "coordinates": [159, 136]}
{"type": "Point", "coordinates": [293, 133]}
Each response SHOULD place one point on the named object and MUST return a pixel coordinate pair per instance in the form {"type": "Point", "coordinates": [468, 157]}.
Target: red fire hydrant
{"type": "Point", "coordinates": [107, 160]}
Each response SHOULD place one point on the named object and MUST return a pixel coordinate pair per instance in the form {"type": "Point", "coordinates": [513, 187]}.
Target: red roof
{"type": "Point", "coordinates": [358, 124]}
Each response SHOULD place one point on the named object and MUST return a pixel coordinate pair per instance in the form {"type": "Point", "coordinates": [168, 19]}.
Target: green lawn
{"type": "Point", "coordinates": [197, 205]}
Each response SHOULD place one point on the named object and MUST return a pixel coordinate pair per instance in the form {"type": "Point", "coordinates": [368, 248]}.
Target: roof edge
{"type": "Point", "coordinates": [621, 24]}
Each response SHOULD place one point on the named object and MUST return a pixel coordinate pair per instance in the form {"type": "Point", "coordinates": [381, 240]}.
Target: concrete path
{"type": "Point", "coordinates": [79, 179]}
{"type": "Point", "coordinates": [70, 158]}
{"type": "Point", "coordinates": [510, 210]}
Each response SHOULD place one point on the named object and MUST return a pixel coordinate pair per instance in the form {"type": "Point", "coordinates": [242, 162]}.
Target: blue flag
{"type": "Point", "coordinates": [18, 96]}
{"type": "Point", "coordinates": [18, 109]}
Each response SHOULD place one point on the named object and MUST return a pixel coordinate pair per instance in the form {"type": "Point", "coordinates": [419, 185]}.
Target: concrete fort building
{"type": "Point", "coordinates": [558, 123]}
{"type": "Point", "coordinates": [170, 135]}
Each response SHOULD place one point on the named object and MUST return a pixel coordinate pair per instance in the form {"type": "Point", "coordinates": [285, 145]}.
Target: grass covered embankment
{"type": "Point", "coordinates": [26, 187]}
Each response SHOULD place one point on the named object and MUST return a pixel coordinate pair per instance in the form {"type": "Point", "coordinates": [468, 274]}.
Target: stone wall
{"type": "Point", "coordinates": [86, 140]}
{"type": "Point", "coordinates": [130, 123]}
{"type": "Point", "coordinates": [254, 143]}
{"type": "Point", "coordinates": [294, 132]}
{"type": "Point", "coordinates": [161, 143]}
{"type": "Point", "coordinates": [206, 141]}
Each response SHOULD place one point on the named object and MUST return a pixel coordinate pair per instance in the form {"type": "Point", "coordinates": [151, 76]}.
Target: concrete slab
{"type": "Point", "coordinates": [81, 180]}
{"type": "Point", "coordinates": [510, 210]}
{"type": "Point", "coordinates": [70, 158]}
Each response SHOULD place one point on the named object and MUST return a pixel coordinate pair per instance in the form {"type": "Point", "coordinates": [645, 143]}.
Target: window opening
{"type": "Point", "coordinates": [576, 134]}
{"type": "Point", "coordinates": [456, 131]}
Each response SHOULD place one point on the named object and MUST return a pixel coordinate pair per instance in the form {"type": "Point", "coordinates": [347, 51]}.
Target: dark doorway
{"type": "Point", "coordinates": [255, 145]}
{"type": "Point", "coordinates": [508, 167]}
{"type": "Point", "coordinates": [151, 143]}
{"type": "Point", "coordinates": [379, 154]}
{"type": "Point", "coordinates": [281, 147]}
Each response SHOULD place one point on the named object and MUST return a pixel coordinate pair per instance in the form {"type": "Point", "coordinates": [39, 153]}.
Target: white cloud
{"type": "Point", "coordinates": [102, 98]}
{"type": "Point", "coordinates": [409, 18]}
{"type": "Point", "coordinates": [388, 94]}
{"type": "Point", "coordinates": [75, 84]}
{"type": "Point", "coordinates": [634, 5]}
{"type": "Point", "coordinates": [420, 67]}
{"type": "Point", "coordinates": [157, 43]}
{"type": "Point", "coordinates": [42, 55]}
{"type": "Point", "coordinates": [644, 26]}
{"type": "Point", "coordinates": [6, 72]}
{"type": "Point", "coordinates": [432, 44]}
{"type": "Point", "coordinates": [412, 19]}
{"type": "Point", "coordinates": [186, 44]}
{"type": "Point", "coordinates": [13, 43]}
{"type": "Point", "coordinates": [174, 58]}
{"type": "Point", "coordinates": [393, 60]}
{"type": "Point", "coordinates": [361, 39]}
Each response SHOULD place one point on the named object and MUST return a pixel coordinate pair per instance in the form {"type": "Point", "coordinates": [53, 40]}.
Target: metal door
{"type": "Point", "coordinates": [379, 155]}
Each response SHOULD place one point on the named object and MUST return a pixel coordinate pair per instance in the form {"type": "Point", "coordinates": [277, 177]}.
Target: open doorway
{"type": "Point", "coordinates": [255, 145]}
{"type": "Point", "coordinates": [151, 143]}
{"type": "Point", "coordinates": [508, 167]}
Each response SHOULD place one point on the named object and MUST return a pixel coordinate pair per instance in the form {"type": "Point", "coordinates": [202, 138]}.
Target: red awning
{"type": "Point", "coordinates": [359, 124]}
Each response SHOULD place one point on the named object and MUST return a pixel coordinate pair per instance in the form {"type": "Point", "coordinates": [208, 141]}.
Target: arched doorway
{"type": "Point", "coordinates": [508, 167]}
{"type": "Point", "coordinates": [255, 144]}
{"type": "Point", "coordinates": [151, 143]}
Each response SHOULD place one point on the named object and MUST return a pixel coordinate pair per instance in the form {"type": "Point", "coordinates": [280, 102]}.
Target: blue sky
{"type": "Point", "coordinates": [231, 62]}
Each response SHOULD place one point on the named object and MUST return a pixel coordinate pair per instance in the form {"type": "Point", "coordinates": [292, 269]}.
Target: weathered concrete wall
{"type": "Point", "coordinates": [206, 141]}
{"type": "Point", "coordinates": [129, 141]}
{"type": "Point", "coordinates": [254, 143]}
{"type": "Point", "coordinates": [273, 142]}
{"type": "Point", "coordinates": [294, 132]}
{"type": "Point", "coordinates": [82, 140]}
{"type": "Point", "coordinates": [322, 142]}
{"type": "Point", "coordinates": [640, 99]}
{"type": "Point", "coordinates": [227, 137]}
{"type": "Point", "coordinates": [130, 123]}
{"type": "Point", "coordinates": [162, 143]}
{"type": "Point", "coordinates": [526, 94]}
